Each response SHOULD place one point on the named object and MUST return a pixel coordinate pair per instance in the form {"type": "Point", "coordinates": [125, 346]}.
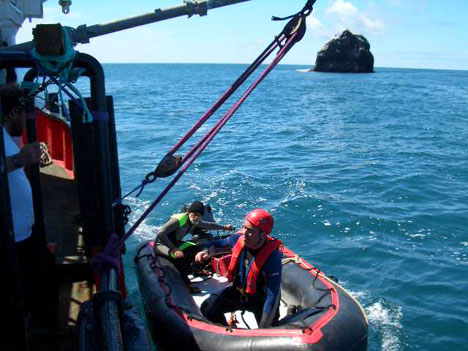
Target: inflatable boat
{"type": "Point", "coordinates": [316, 313]}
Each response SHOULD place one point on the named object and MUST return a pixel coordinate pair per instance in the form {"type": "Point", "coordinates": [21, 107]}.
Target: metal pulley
{"type": "Point", "coordinates": [296, 24]}
{"type": "Point", "coordinates": [65, 5]}
{"type": "Point", "coordinates": [166, 167]}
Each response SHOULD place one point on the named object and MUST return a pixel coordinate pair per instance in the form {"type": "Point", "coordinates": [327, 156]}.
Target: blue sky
{"type": "Point", "coordinates": [402, 33]}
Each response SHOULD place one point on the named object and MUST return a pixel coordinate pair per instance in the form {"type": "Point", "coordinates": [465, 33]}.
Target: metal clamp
{"type": "Point", "coordinates": [202, 7]}
{"type": "Point", "coordinates": [195, 7]}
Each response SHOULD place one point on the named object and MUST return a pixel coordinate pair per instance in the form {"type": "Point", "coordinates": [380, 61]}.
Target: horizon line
{"type": "Point", "coordinates": [264, 64]}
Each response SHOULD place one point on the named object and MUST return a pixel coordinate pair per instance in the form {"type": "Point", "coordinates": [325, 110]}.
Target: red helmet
{"type": "Point", "coordinates": [261, 219]}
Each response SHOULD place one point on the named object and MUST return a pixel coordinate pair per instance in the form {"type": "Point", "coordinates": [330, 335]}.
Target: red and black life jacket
{"type": "Point", "coordinates": [257, 265]}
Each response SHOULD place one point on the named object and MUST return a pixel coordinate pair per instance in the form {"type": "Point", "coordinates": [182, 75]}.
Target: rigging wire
{"type": "Point", "coordinates": [293, 32]}
{"type": "Point", "coordinates": [170, 162]}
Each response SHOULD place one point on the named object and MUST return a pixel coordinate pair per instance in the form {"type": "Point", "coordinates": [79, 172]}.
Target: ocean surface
{"type": "Point", "coordinates": [366, 176]}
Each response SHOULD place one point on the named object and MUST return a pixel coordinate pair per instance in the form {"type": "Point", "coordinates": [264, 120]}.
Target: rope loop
{"type": "Point", "coordinates": [121, 213]}
{"type": "Point", "coordinates": [141, 187]}
{"type": "Point", "coordinates": [149, 178]}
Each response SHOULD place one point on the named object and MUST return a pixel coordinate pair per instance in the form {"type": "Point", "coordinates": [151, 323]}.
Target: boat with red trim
{"type": "Point", "coordinates": [78, 209]}
{"type": "Point", "coordinates": [316, 313]}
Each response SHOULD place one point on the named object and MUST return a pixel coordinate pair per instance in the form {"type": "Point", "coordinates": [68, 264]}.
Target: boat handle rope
{"type": "Point", "coordinates": [316, 272]}
{"type": "Point", "coordinates": [165, 286]}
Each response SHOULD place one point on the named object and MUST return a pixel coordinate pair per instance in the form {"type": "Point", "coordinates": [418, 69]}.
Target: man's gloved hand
{"type": "Point", "coordinates": [229, 227]}
{"type": "Point", "coordinates": [30, 154]}
{"type": "Point", "coordinates": [176, 253]}
{"type": "Point", "coordinates": [201, 256]}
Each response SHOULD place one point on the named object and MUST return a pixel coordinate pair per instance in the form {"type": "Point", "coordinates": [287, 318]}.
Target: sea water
{"type": "Point", "coordinates": [365, 174]}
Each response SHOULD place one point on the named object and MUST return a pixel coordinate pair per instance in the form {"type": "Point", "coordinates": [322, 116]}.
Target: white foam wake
{"type": "Point", "coordinates": [386, 321]}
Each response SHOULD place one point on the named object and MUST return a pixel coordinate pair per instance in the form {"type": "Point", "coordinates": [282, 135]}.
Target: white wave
{"type": "Point", "coordinates": [384, 319]}
{"type": "Point", "coordinates": [422, 236]}
{"type": "Point", "coordinates": [387, 322]}
{"type": "Point", "coordinates": [303, 70]}
{"type": "Point", "coordinates": [358, 295]}
{"type": "Point", "coordinates": [144, 231]}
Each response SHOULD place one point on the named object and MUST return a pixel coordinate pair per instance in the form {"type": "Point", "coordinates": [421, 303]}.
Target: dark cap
{"type": "Point", "coordinates": [196, 207]}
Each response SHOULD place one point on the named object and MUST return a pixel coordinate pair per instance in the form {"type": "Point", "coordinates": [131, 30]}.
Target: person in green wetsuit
{"type": "Point", "coordinates": [169, 241]}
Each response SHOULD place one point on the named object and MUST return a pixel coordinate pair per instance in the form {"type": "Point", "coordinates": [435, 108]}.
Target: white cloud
{"type": "Point", "coordinates": [317, 28]}
{"type": "Point", "coordinates": [349, 16]}
{"type": "Point", "coordinates": [342, 8]}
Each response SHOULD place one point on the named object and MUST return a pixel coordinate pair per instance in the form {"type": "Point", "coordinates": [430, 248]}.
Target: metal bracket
{"type": "Point", "coordinates": [81, 34]}
{"type": "Point", "coordinates": [195, 7]}
{"type": "Point", "coordinates": [202, 8]}
{"type": "Point", "coordinates": [65, 6]}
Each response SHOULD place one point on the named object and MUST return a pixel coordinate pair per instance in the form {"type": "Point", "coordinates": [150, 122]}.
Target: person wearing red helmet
{"type": "Point", "coordinates": [255, 272]}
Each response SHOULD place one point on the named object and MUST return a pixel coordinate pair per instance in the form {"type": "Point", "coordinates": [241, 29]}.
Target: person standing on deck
{"type": "Point", "coordinates": [36, 264]}
{"type": "Point", "coordinates": [169, 242]}
{"type": "Point", "coordinates": [255, 270]}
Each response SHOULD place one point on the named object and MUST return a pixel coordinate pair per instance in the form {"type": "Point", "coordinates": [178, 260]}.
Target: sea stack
{"type": "Point", "coordinates": [346, 53]}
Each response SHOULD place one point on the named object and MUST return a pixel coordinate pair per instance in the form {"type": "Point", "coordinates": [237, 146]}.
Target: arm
{"type": "Point", "coordinates": [214, 226]}
{"type": "Point", "coordinates": [13, 163]}
{"type": "Point", "coordinates": [162, 236]}
{"type": "Point", "coordinates": [215, 247]}
{"type": "Point", "coordinates": [273, 271]}
{"type": "Point", "coordinates": [229, 241]}
{"type": "Point", "coordinates": [29, 155]}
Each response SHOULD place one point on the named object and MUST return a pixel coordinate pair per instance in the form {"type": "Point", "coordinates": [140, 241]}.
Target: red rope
{"type": "Point", "coordinates": [197, 149]}
{"type": "Point", "coordinates": [227, 94]}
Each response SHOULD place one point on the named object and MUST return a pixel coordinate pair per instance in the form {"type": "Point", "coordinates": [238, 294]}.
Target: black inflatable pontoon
{"type": "Point", "coordinates": [322, 315]}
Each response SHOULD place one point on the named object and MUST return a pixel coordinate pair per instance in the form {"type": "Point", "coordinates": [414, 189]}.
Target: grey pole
{"type": "Point", "coordinates": [82, 34]}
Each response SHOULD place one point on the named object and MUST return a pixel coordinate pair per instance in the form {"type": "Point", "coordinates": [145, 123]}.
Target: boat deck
{"type": "Point", "coordinates": [217, 283]}
{"type": "Point", "coordinates": [63, 233]}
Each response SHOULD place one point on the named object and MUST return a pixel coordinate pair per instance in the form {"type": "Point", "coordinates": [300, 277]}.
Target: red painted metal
{"type": "Point", "coordinates": [56, 133]}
